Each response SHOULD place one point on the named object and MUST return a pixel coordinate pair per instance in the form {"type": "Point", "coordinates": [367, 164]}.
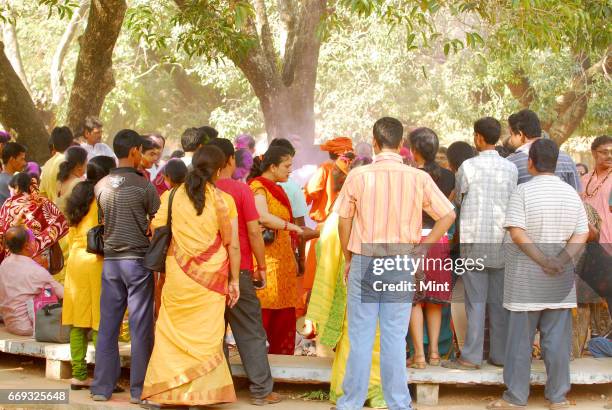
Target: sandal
{"type": "Point", "coordinates": [502, 404]}
{"type": "Point", "coordinates": [560, 405]}
{"type": "Point", "coordinates": [434, 359]}
{"type": "Point", "coordinates": [416, 364]}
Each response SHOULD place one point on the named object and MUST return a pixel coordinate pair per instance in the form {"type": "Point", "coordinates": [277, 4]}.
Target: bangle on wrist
{"type": "Point", "coordinates": [286, 225]}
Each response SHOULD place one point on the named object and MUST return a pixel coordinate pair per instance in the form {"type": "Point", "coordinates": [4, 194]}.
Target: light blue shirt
{"type": "Point", "coordinates": [296, 197]}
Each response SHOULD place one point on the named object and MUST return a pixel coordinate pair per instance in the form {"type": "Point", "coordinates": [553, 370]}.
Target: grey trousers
{"type": "Point", "coordinates": [556, 342]}
{"type": "Point", "coordinates": [250, 335]}
{"type": "Point", "coordinates": [485, 290]}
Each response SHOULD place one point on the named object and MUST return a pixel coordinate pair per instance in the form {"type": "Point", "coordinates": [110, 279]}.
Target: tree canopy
{"type": "Point", "coordinates": [308, 67]}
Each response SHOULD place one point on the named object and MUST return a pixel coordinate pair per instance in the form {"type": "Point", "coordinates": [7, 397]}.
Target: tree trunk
{"type": "Point", "coordinates": [93, 78]}
{"type": "Point", "coordinates": [287, 94]}
{"type": "Point", "coordinates": [58, 87]}
{"type": "Point", "coordinates": [18, 114]}
{"type": "Point", "coordinates": [11, 50]}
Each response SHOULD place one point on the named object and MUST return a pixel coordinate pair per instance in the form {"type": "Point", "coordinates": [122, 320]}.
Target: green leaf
{"type": "Point", "coordinates": [447, 47]}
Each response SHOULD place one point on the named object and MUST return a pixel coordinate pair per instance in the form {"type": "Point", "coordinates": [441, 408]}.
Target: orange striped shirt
{"type": "Point", "coordinates": [386, 200]}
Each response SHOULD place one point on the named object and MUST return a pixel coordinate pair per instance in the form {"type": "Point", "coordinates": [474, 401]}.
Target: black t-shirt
{"type": "Point", "coordinates": [446, 183]}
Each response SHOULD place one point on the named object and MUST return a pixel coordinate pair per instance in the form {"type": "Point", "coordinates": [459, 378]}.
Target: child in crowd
{"type": "Point", "coordinates": [174, 173]}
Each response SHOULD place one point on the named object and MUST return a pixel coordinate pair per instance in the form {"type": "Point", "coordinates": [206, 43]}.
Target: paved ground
{"type": "Point", "coordinates": [20, 372]}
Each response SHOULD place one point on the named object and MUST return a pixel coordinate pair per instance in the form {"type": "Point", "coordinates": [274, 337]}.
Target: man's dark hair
{"type": "Point", "coordinates": [91, 122]}
{"type": "Point", "coordinates": [176, 170]}
{"type": "Point", "coordinates": [598, 142]}
{"type": "Point", "coordinates": [528, 123]}
{"type": "Point", "coordinates": [224, 145]}
{"type": "Point", "coordinates": [192, 139]}
{"type": "Point", "coordinates": [61, 138]}
{"type": "Point", "coordinates": [11, 150]}
{"type": "Point", "coordinates": [513, 122]}
{"type": "Point", "coordinates": [148, 144]}
{"type": "Point", "coordinates": [388, 132]}
{"type": "Point", "coordinates": [16, 239]}
{"type": "Point", "coordinates": [544, 154]}
{"type": "Point", "coordinates": [489, 128]}
{"type": "Point", "coordinates": [124, 141]}
{"type": "Point", "coordinates": [177, 154]}
{"type": "Point", "coordinates": [283, 142]}
{"type": "Point", "coordinates": [458, 152]}
{"type": "Point", "coordinates": [209, 133]}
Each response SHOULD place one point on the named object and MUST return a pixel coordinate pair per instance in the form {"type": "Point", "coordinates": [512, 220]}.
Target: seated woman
{"type": "Point", "coordinates": [37, 213]}
{"type": "Point", "coordinates": [22, 279]}
{"type": "Point", "coordinates": [188, 366]}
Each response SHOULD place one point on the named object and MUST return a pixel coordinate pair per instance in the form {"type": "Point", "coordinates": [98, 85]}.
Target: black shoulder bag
{"type": "Point", "coordinates": [155, 258]}
{"type": "Point", "coordinates": [95, 236]}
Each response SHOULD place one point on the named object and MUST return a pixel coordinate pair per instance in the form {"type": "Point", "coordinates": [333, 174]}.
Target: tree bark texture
{"type": "Point", "coordinates": [58, 87]}
{"type": "Point", "coordinates": [93, 78]}
{"type": "Point", "coordinates": [11, 50]}
{"type": "Point", "coordinates": [572, 105]}
{"type": "Point", "coordinates": [18, 114]}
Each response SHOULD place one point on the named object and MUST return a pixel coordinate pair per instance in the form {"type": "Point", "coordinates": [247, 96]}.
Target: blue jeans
{"type": "Point", "coordinates": [600, 347]}
{"type": "Point", "coordinates": [366, 307]}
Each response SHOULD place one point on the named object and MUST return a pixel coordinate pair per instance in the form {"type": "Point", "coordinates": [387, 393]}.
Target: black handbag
{"type": "Point", "coordinates": [155, 258]}
{"type": "Point", "coordinates": [95, 236]}
{"type": "Point", "coordinates": [269, 235]}
{"type": "Point", "coordinates": [48, 325]}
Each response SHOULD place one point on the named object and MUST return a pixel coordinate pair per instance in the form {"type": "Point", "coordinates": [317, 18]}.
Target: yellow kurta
{"type": "Point", "coordinates": [83, 283]}
{"type": "Point", "coordinates": [48, 177]}
{"type": "Point", "coordinates": [187, 366]}
{"type": "Point", "coordinates": [61, 201]}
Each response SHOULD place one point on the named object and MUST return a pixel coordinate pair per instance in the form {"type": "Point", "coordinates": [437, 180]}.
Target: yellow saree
{"type": "Point", "coordinates": [187, 366]}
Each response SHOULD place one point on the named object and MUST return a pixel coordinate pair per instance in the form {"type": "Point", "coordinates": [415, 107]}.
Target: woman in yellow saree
{"type": "Point", "coordinates": [187, 366]}
{"type": "Point", "coordinates": [327, 307]}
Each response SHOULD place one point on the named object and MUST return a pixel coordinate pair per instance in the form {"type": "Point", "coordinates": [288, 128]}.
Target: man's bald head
{"type": "Point", "coordinates": [16, 239]}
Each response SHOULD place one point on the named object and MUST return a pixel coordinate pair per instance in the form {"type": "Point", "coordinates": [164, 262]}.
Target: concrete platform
{"type": "Point", "coordinates": [302, 369]}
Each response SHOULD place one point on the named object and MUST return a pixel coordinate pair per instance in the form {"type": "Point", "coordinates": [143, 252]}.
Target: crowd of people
{"type": "Point", "coordinates": [254, 248]}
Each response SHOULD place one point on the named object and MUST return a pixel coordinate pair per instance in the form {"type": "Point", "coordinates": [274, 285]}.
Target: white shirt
{"type": "Point", "coordinates": [98, 150]}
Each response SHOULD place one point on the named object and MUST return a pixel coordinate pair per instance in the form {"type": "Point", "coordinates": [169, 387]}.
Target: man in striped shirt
{"type": "Point", "coordinates": [548, 226]}
{"type": "Point", "coordinates": [128, 201]}
{"type": "Point", "coordinates": [525, 126]}
{"type": "Point", "coordinates": [380, 208]}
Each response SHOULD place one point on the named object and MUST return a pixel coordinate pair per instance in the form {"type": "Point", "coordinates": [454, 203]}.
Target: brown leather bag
{"type": "Point", "coordinates": [56, 259]}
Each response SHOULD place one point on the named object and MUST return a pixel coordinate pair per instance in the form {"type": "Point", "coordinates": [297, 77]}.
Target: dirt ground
{"type": "Point", "coordinates": [18, 372]}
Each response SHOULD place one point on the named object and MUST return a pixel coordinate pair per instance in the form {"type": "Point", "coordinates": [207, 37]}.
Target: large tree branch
{"type": "Point", "coordinates": [288, 17]}
{"type": "Point", "coordinates": [264, 31]}
{"type": "Point", "coordinates": [11, 50]}
{"type": "Point", "coordinates": [93, 78]}
{"type": "Point", "coordinates": [18, 114]}
{"type": "Point", "coordinates": [58, 91]}
{"type": "Point", "coordinates": [302, 57]}
{"type": "Point", "coordinates": [572, 105]}
{"type": "Point", "coordinates": [521, 89]}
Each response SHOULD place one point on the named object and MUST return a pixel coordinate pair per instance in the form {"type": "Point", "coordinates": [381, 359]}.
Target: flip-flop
{"type": "Point", "coordinates": [435, 360]}
{"type": "Point", "coordinates": [502, 404]}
